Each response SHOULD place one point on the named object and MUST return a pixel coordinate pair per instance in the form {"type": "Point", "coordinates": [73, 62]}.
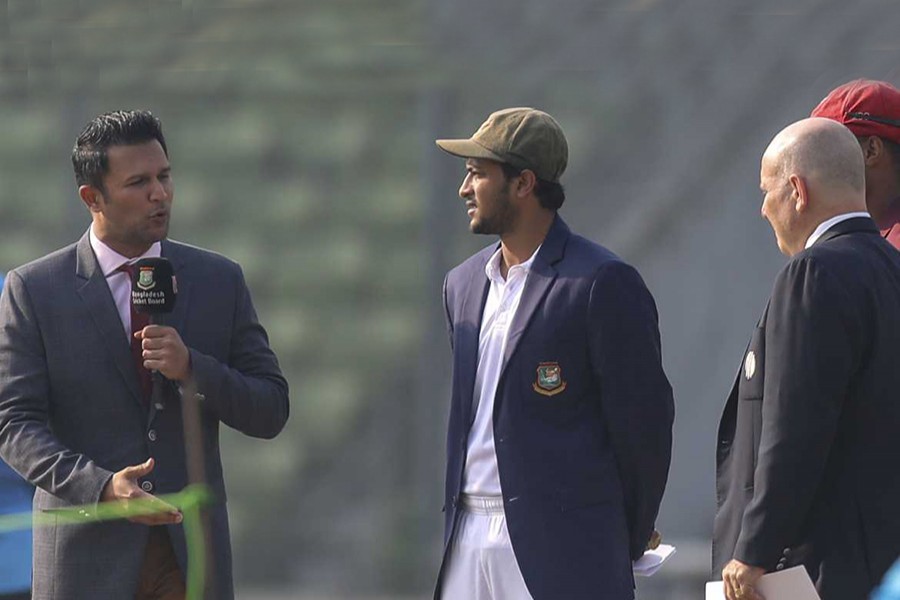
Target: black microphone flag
{"type": "Point", "coordinates": [153, 287]}
{"type": "Point", "coordinates": [153, 292]}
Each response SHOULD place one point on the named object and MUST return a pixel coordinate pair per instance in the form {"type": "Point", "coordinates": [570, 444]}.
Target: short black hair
{"type": "Point", "coordinates": [117, 128]}
{"type": "Point", "coordinates": [550, 194]}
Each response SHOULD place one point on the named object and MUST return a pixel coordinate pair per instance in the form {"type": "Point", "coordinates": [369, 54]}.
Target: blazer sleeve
{"type": "Point", "coordinates": [635, 395]}
{"type": "Point", "coordinates": [812, 351]}
{"type": "Point", "coordinates": [249, 393]}
{"type": "Point", "coordinates": [26, 441]}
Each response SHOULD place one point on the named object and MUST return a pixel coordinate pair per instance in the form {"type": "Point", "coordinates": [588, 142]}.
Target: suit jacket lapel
{"type": "Point", "coordinates": [471, 312]}
{"type": "Point", "coordinates": [178, 318]}
{"type": "Point", "coordinates": [539, 281]}
{"type": "Point", "coordinates": [94, 291]}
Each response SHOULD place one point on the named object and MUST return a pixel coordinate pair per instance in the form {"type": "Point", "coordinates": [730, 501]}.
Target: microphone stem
{"type": "Point", "coordinates": [193, 449]}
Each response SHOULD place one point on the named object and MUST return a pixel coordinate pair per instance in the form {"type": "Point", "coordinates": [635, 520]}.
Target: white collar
{"type": "Point", "coordinates": [826, 225]}
{"type": "Point", "coordinates": [492, 268]}
{"type": "Point", "coordinates": [110, 260]}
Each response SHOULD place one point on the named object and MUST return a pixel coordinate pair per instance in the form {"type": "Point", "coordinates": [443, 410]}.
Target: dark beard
{"type": "Point", "coordinates": [501, 221]}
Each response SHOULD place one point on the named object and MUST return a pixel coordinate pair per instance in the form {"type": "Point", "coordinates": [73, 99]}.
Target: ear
{"type": "Point", "coordinates": [527, 181]}
{"type": "Point", "coordinates": [799, 192]}
{"type": "Point", "coordinates": [872, 149]}
{"type": "Point", "coordinates": [91, 197]}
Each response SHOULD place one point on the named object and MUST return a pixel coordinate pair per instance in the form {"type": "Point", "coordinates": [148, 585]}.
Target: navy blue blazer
{"type": "Point", "coordinates": [582, 416]}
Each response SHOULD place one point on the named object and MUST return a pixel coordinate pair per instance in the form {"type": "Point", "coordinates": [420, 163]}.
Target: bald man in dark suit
{"type": "Point", "coordinates": [807, 461]}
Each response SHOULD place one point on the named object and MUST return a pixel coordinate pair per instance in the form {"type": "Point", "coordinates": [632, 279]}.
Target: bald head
{"type": "Point", "coordinates": [823, 152]}
{"type": "Point", "coordinates": [811, 171]}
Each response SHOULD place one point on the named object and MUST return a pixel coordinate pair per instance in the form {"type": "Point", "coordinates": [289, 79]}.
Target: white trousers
{"type": "Point", "coordinates": [481, 564]}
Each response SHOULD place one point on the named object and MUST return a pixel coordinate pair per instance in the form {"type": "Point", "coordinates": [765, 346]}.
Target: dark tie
{"type": "Point", "coordinates": [138, 322]}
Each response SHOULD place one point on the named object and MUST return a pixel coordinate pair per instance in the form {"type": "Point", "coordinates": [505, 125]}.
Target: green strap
{"type": "Point", "coordinates": [189, 501]}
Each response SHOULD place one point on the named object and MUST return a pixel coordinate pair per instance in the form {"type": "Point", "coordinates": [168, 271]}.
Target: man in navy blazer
{"type": "Point", "coordinates": [560, 427]}
{"type": "Point", "coordinates": [75, 416]}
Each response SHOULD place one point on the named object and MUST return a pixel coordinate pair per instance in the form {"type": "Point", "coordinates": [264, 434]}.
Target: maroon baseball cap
{"type": "Point", "coordinates": [865, 107]}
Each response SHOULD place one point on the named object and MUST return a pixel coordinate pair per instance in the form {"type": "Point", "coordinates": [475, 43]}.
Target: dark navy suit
{"type": "Point", "coordinates": [583, 449]}
{"type": "Point", "coordinates": [807, 448]}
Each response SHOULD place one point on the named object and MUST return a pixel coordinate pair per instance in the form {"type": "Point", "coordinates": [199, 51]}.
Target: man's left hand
{"type": "Point", "coordinates": [740, 579]}
{"type": "Point", "coordinates": [164, 351]}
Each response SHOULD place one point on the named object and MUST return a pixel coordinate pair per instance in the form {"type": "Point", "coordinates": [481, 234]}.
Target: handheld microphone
{"type": "Point", "coordinates": [153, 288]}
{"type": "Point", "coordinates": [153, 292]}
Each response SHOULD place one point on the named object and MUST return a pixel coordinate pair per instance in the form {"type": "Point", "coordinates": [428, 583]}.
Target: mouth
{"type": "Point", "coordinates": [160, 215]}
{"type": "Point", "coordinates": [471, 208]}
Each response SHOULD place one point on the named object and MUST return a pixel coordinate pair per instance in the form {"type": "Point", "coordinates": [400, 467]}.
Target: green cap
{"type": "Point", "coordinates": [525, 138]}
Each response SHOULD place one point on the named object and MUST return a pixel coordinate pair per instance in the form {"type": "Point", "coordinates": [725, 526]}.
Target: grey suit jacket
{"type": "Point", "coordinates": [71, 414]}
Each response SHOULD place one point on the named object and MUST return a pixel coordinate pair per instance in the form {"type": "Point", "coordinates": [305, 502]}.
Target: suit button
{"type": "Point", "coordinates": [786, 552]}
{"type": "Point", "coordinates": [779, 567]}
{"type": "Point", "coordinates": [147, 486]}
{"type": "Point", "coordinates": [151, 435]}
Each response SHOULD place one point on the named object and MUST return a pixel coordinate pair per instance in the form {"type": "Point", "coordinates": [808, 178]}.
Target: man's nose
{"type": "Point", "coordinates": [465, 189]}
{"type": "Point", "coordinates": [159, 191]}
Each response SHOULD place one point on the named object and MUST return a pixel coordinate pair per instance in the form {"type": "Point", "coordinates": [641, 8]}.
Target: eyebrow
{"type": "Point", "coordinates": [136, 176]}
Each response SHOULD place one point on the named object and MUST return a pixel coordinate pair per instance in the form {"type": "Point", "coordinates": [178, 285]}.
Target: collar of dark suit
{"type": "Point", "coordinates": [554, 245]}
{"type": "Point", "coordinates": [854, 225]}
{"type": "Point", "coordinates": [172, 251]}
{"type": "Point", "coordinates": [87, 266]}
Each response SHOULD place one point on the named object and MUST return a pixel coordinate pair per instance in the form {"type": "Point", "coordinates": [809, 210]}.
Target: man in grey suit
{"type": "Point", "coordinates": [15, 546]}
{"type": "Point", "coordinates": [75, 416]}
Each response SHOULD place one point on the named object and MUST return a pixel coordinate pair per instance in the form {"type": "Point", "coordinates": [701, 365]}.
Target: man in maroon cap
{"type": "Point", "coordinates": [871, 110]}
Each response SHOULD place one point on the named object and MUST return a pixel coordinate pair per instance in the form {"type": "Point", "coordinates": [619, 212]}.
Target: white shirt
{"type": "Point", "coordinates": [119, 284]}
{"type": "Point", "coordinates": [826, 225]}
{"type": "Point", "coordinates": [482, 477]}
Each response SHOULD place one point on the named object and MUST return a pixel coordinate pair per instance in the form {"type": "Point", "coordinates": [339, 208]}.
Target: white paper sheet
{"type": "Point", "coordinates": [652, 560]}
{"type": "Point", "coordinates": [790, 584]}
